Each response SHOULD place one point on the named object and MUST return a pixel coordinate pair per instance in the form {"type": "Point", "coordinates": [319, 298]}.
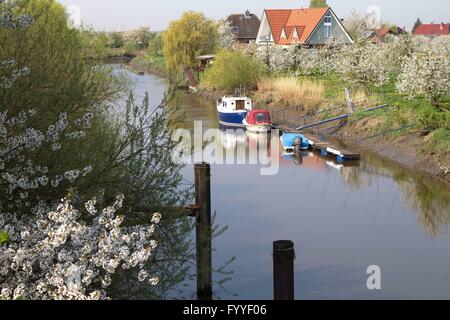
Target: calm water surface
{"type": "Point", "coordinates": [341, 219]}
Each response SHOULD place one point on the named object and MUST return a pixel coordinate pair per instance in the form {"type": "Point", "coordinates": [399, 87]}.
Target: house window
{"type": "Point", "coordinates": [328, 23]}
{"type": "Point", "coordinates": [235, 29]}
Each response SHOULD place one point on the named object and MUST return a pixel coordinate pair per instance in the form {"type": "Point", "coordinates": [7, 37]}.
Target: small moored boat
{"type": "Point", "coordinates": [289, 141]}
{"type": "Point", "coordinates": [258, 121]}
{"type": "Point", "coordinates": [233, 110]}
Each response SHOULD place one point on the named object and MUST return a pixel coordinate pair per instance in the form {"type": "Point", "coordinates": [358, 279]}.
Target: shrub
{"type": "Point", "coordinates": [116, 40]}
{"type": "Point", "coordinates": [440, 141]}
{"type": "Point", "coordinates": [431, 117]}
{"type": "Point", "coordinates": [233, 69]}
{"type": "Point", "coordinates": [156, 45]}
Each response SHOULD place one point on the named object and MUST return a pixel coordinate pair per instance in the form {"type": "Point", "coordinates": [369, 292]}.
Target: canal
{"type": "Point", "coordinates": [341, 219]}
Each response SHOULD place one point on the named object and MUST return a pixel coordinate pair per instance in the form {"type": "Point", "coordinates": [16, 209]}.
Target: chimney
{"type": "Point", "coordinates": [247, 14]}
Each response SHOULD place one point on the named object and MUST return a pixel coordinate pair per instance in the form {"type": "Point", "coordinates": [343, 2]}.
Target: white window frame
{"type": "Point", "coordinates": [328, 23]}
{"type": "Point", "coordinates": [295, 34]}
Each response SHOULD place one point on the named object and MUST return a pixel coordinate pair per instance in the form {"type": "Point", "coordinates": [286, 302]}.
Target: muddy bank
{"type": "Point", "coordinates": [405, 149]}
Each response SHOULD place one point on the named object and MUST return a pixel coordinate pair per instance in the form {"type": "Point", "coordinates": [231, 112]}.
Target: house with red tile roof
{"type": "Point", "coordinates": [432, 29]}
{"type": "Point", "coordinates": [379, 35]}
{"type": "Point", "coordinates": [314, 26]}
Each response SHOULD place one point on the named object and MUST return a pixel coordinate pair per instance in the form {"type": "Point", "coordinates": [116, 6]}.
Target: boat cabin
{"type": "Point", "coordinates": [235, 103]}
{"type": "Point", "coordinates": [257, 117]}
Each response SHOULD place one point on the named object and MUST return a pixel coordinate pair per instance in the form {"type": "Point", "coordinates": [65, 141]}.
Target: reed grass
{"type": "Point", "coordinates": [291, 91]}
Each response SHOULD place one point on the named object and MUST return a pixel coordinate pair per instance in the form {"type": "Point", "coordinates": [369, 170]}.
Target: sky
{"type": "Point", "coordinates": [131, 14]}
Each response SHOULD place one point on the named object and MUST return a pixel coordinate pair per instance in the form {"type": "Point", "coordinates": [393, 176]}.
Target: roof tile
{"type": "Point", "coordinates": [304, 20]}
{"type": "Point", "coordinates": [432, 29]}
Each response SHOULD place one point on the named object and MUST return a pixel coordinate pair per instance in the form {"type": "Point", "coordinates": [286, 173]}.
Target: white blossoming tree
{"type": "Point", "coordinates": [280, 59]}
{"type": "Point", "coordinates": [58, 256]}
{"type": "Point", "coordinates": [226, 38]}
{"type": "Point", "coordinates": [427, 72]}
{"type": "Point", "coordinates": [357, 25]}
{"type": "Point", "coordinates": [50, 251]}
{"type": "Point", "coordinates": [364, 64]}
{"type": "Point", "coordinates": [323, 60]}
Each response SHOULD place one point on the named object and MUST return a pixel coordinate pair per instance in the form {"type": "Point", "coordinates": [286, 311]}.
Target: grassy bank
{"type": "Point", "coordinates": [428, 139]}
{"type": "Point", "coordinates": [149, 63]}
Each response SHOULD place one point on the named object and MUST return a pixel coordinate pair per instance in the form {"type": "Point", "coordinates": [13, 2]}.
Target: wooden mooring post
{"type": "Point", "coordinates": [283, 270]}
{"type": "Point", "coordinates": [204, 231]}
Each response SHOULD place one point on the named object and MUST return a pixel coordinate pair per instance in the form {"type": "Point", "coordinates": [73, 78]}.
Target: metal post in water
{"type": "Point", "coordinates": [204, 231]}
{"type": "Point", "coordinates": [298, 148]}
{"type": "Point", "coordinates": [283, 270]}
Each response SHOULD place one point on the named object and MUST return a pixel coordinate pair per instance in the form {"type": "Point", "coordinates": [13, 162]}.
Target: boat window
{"type": "Point", "coordinates": [261, 117]}
{"type": "Point", "coordinates": [224, 103]}
{"type": "Point", "coordinates": [240, 104]}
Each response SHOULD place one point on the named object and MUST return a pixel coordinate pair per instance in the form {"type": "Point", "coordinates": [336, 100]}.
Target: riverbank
{"type": "Point", "coordinates": [405, 149]}
{"type": "Point", "coordinates": [138, 61]}
{"type": "Point", "coordinates": [154, 65]}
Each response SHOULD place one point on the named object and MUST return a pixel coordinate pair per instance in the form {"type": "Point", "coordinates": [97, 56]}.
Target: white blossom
{"type": "Point", "coordinates": [226, 38]}
{"type": "Point", "coordinates": [427, 71]}
{"type": "Point", "coordinates": [63, 257]}
{"type": "Point", "coordinates": [156, 218]}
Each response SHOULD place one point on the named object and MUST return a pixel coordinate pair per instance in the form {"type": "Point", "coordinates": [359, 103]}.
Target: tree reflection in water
{"type": "Point", "coordinates": [427, 197]}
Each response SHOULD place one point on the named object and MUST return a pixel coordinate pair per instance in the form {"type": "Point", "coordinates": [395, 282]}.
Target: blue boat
{"type": "Point", "coordinates": [288, 142]}
{"type": "Point", "coordinates": [233, 110]}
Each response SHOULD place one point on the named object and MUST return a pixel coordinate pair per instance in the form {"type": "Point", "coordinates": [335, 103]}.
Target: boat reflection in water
{"type": "Point", "coordinates": [245, 147]}
{"type": "Point", "coordinates": [313, 160]}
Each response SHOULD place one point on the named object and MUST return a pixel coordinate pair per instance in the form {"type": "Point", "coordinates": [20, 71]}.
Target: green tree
{"type": "Point", "coordinates": [185, 39]}
{"type": "Point", "coordinates": [143, 37]}
{"type": "Point", "coordinates": [156, 45]}
{"type": "Point", "coordinates": [318, 4]}
{"type": "Point", "coordinates": [116, 40]}
{"type": "Point", "coordinates": [233, 69]}
{"type": "Point", "coordinates": [94, 43]}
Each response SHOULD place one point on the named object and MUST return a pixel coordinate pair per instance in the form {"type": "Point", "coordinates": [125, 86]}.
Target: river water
{"type": "Point", "coordinates": [341, 219]}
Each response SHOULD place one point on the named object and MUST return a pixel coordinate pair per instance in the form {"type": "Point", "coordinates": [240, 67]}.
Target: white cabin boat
{"type": "Point", "coordinates": [233, 110]}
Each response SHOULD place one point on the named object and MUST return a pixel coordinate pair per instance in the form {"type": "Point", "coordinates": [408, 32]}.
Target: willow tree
{"type": "Point", "coordinates": [318, 4]}
{"type": "Point", "coordinates": [185, 39]}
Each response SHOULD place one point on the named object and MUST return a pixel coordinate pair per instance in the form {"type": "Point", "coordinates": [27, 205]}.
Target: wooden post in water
{"type": "Point", "coordinates": [204, 231]}
{"type": "Point", "coordinates": [283, 270]}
